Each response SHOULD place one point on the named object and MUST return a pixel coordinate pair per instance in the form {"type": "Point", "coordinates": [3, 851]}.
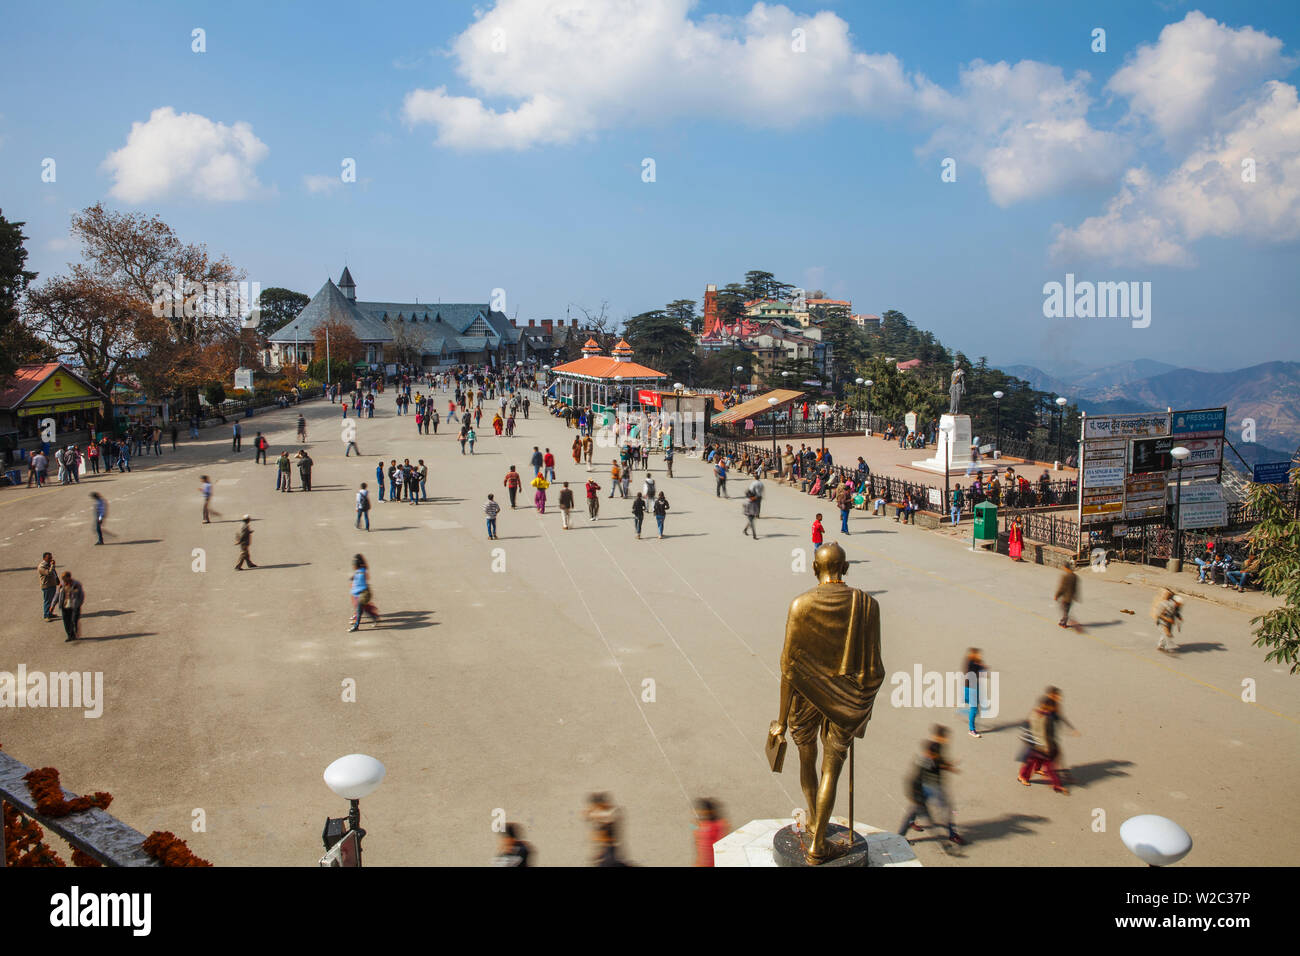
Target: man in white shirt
{"type": "Point", "coordinates": [756, 489]}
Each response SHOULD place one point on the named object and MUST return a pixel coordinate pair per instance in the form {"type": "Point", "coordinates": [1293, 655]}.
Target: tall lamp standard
{"type": "Point", "coordinates": [1060, 428]}
{"type": "Point", "coordinates": [822, 409]}
{"type": "Point", "coordinates": [772, 403]}
{"type": "Point", "coordinates": [997, 441]}
{"type": "Point", "coordinates": [1179, 455]}
{"type": "Point", "coordinates": [858, 382]}
{"type": "Point", "coordinates": [869, 383]}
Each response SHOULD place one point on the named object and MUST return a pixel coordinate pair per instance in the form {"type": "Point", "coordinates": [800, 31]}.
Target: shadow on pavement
{"type": "Point", "coordinates": [140, 541]}
{"type": "Point", "coordinates": [406, 621]}
{"type": "Point", "coordinates": [1202, 646]}
{"type": "Point", "coordinates": [1084, 774]}
{"type": "Point", "coordinates": [119, 637]}
{"type": "Point", "coordinates": [1013, 824]}
{"type": "Point", "coordinates": [268, 567]}
{"type": "Point", "coordinates": [105, 614]}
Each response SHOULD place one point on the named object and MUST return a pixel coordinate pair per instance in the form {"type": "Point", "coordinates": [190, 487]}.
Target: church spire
{"type": "Point", "coordinates": [347, 286]}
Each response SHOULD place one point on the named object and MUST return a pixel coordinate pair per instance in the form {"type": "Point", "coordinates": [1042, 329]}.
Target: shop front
{"type": "Point", "coordinates": [43, 406]}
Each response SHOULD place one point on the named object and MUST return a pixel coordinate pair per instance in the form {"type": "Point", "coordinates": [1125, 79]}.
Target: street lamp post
{"type": "Point", "coordinates": [822, 409]}
{"type": "Point", "coordinates": [351, 777]}
{"type": "Point", "coordinates": [772, 403]}
{"type": "Point", "coordinates": [1060, 428]}
{"type": "Point", "coordinates": [869, 383]}
{"type": "Point", "coordinates": [1179, 455]}
{"type": "Point", "coordinates": [997, 441]}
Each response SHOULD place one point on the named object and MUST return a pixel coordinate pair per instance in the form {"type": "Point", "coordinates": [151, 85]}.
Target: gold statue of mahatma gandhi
{"type": "Point", "coordinates": [830, 674]}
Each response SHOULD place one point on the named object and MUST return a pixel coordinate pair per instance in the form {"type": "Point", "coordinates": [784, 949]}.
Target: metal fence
{"type": "Point", "coordinates": [754, 457]}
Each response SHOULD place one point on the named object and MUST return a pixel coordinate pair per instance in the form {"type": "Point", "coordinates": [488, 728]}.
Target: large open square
{"type": "Point", "coordinates": [519, 675]}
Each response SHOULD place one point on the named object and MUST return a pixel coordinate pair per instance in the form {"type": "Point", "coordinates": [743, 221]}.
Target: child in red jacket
{"type": "Point", "coordinates": [818, 532]}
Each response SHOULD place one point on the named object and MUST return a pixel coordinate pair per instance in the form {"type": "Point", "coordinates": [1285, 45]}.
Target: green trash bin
{"type": "Point", "coordinates": [986, 521]}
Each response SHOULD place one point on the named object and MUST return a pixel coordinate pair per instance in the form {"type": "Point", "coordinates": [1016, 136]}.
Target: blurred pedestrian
{"type": "Point", "coordinates": [512, 850]}
{"type": "Point", "coordinates": [1067, 592]}
{"type": "Point", "coordinates": [362, 597]}
{"type": "Point", "coordinates": [1040, 735]}
{"type": "Point", "coordinates": [69, 597]}
{"type": "Point", "coordinates": [710, 827]}
{"type": "Point", "coordinates": [101, 512]}
{"type": "Point", "coordinates": [244, 538]}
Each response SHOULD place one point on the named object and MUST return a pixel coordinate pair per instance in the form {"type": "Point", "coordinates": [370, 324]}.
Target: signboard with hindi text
{"type": "Point", "coordinates": [1126, 426]}
{"type": "Point", "coordinates": [1144, 496]}
{"type": "Point", "coordinates": [1201, 506]}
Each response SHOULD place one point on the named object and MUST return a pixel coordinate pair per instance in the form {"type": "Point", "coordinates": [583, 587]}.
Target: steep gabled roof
{"type": "Point", "coordinates": [329, 304]}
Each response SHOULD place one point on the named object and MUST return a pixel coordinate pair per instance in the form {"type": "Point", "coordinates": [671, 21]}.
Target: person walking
{"type": "Point", "coordinates": [577, 450]}
{"type": "Point", "coordinates": [491, 509]}
{"type": "Point", "coordinates": [1041, 737]}
{"type": "Point", "coordinates": [548, 465]}
{"type": "Point", "coordinates": [471, 436]}
{"type": "Point", "coordinates": [283, 475]}
{"type": "Point", "coordinates": [92, 456]}
{"type": "Point", "coordinates": [972, 668]}
{"type": "Point", "coordinates": [668, 458]}
{"type": "Point", "coordinates": [756, 488]}
{"type": "Point", "coordinates": [205, 489]}
{"type": "Point", "coordinates": [174, 432]}
{"type": "Point", "coordinates": [818, 532]}
{"type": "Point", "coordinates": [237, 444]}
{"type": "Point", "coordinates": [363, 504]}
{"type": "Point", "coordinates": [1167, 611]}
{"type": "Point", "coordinates": [101, 512]}
{"type": "Point", "coordinates": [720, 478]}
{"type": "Point", "coordinates": [244, 538]}
{"type": "Point", "coordinates": [536, 460]}
{"type": "Point", "coordinates": [626, 482]}
{"type": "Point", "coordinates": [638, 512]}
{"type": "Point", "coordinates": [750, 510]}
{"type": "Point", "coordinates": [539, 496]}
{"type": "Point", "coordinates": [433, 417]}
{"type": "Point", "coordinates": [710, 827]}
{"type": "Point", "coordinates": [661, 512]}
{"type": "Point", "coordinates": [260, 444]}
{"type": "Point", "coordinates": [926, 788]}
{"type": "Point", "coordinates": [47, 572]}
{"type": "Point", "coordinates": [615, 478]}
{"type": "Point", "coordinates": [566, 505]}
{"type": "Point", "coordinates": [955, 504]}
{"type": "Point", "coordinates": [648, 486]}
{"type": "Point", "coordinates": [1067, 592]}
{"type": "Point", "coordinates": [69, 597]}
{"type": "Point", "coordinates": [512, 484]}
{"type": "Point", "coordinates": [362, 597]}
{"type": "Point", "coordinates": [123, 456]}
{"type": "Point", "coordinates": [593, 499]}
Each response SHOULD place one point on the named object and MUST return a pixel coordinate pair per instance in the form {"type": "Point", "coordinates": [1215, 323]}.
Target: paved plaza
{"type": "Point", "coordinates": [521, 674]}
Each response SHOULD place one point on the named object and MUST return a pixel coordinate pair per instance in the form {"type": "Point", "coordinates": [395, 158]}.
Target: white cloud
{"type": "Point", "coordinates": [566, 69]}
{"type": "Point", "coordinates": [1155, 218]}
{"type": "Point", "coordinates": [321, 182]}
{"type": "Point", "coordinates": [175, 155]}
{"type": "Point", "coordinates": [1025, 127]}
{"type": "Point", "coordinates": [1191, 80]}
{"type": "Point", "coordinates": [59, 245]}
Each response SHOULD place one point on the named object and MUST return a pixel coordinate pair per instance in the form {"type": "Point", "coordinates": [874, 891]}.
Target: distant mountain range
{"type": "Point", "coordinates": [1269, 393]}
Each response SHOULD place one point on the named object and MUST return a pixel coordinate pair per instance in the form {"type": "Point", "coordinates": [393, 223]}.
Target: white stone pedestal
{"type": "Point", "coordinates": [952, 449]}
{"type": "Point", "coordinates": [751, 845]}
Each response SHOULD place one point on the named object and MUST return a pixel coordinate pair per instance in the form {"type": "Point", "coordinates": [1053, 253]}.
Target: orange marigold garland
{"type": "Point", "coordinates": [48, 794]}
{"type": "Point", "coordinates": [165, 846]}
{"type": "Point", "coordinates": [23, 843]}
{"type": "Point", "coordinates": [82, 858]}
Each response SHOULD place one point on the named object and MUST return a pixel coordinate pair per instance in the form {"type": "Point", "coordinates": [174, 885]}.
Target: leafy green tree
{"type": "Point", "coordinates": [846, 340]}
{"type": "Point", "coordinates": [1275, 541]}
{"type": "Point", "coordinates": [215, 393]}
{"type": "Point", "coordinates": [683, 310]}
{"type": "Point", "coordinates": [18, 345]}
{"type": "Point", "coordinates": [661, 342]}
{"type": "Point", "coordinates": [278, 308]}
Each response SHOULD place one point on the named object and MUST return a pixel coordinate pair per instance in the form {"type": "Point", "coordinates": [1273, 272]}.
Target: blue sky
{"type": "Point", "coordinates": [519, 165]}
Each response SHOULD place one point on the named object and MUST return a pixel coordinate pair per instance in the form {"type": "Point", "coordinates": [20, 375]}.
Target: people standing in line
{"type": "Point", "coordinates": [69, 597]}
{"type": "Point", "coordinates": [260, 444]}
{"type": "Point", "coordinates": [638, 512]}
{"type": "Point", "coordinates": [363, 504]}
{"type": "Point", "coordinates": [750, 510]}
{"type": "Point", "coordinates": [566, 505]}
{"type": "Point", "coordinates": [593, 499]}
{"type": "Point", "coordinates": [512, 484]}
{"type": "Point", "coordinates": [661, 511]}
{"type": "Point", "coordinates": [237, 444]}
{"type": "Point", "coordinates": [47, 572]}
{"type": "Point", "coordinates": [972, 668]}
{"type": "Point", "coordinates": [101, 512]}
{"type": "Point", "coordinates": [244, 538]}
{"type": "Point", "coordinates": [1067, 592]}
{"type": "Point", "coordinates": [818, 532]}
{"type": "Point", "coordinates": [491, 509]}
{"type": "Point", "coordinates": [710, 827]}
{"type": "Point", "coordinates": [1167, 611]}
{"type": "Point", "coordinates": [1041, 737]}
{"type": "Point", "coordinates": [362, 597]}
{"type": "Point", "coordinates": [926, 789]}
{"type": "Point", "coordinates": [205, 489]}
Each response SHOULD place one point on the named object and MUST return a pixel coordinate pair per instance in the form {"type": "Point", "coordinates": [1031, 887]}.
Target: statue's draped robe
{"type": "Point", "coordinates": [832, 653]}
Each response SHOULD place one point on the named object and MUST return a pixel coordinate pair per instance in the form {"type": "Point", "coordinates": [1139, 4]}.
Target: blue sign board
{"type": "Point", "coordinates": [1272, 473]}
{"type": "Point", "coordinates": [1209, 420]}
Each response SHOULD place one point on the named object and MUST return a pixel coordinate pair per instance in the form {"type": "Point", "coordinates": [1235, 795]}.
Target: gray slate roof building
{"type": "Point", "coordinates": [447, 331]}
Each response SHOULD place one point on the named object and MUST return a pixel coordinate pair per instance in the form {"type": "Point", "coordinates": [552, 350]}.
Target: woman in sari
{"type": "Point", "coordinates": [1016, 539]}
